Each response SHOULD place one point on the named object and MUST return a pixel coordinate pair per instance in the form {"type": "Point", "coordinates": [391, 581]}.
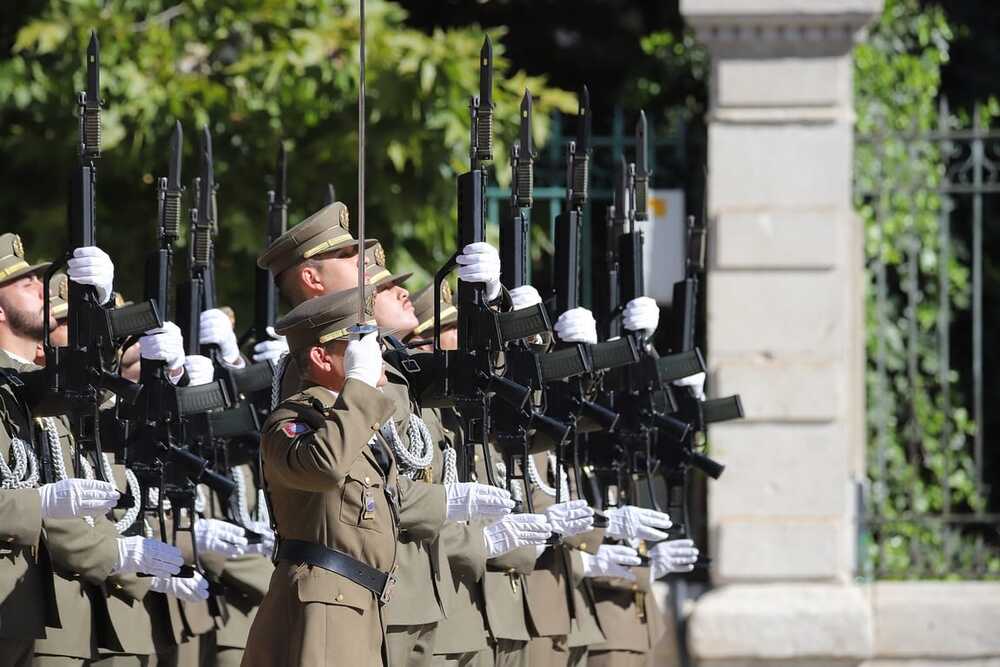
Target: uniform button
{"type": "Point", "coordinates": [475, 457]}
{"type": "Point", "coordinates": [511, 570]}
{"type": "Point", "coordinates": [340, 597]}
{"type": "Point", "coordinates": [635, 587]}
{"type": "Point", "coordinates": [368, 480]}
{"type": "Point", "coordinates": [583, 546]}
{"type": "Point", "coordinates": [474, 477]}
{"type": "Point", "coordinates": [375, 426]}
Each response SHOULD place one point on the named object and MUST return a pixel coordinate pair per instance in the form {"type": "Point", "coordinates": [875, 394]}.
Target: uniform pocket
{"type": "Point", "coordinates": [315, 584]}
{"type": "Point", "coordinates": [361, 501]}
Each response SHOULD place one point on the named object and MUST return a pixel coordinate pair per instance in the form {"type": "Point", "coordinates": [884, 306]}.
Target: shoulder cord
{"type": "Point", "coordinates": [536, 478]}
{"type": "Point", "coordinates": [514, 488]}
{"type": "Point", "coordinates": [132, 513]}
{"type": "Point", "coordinates": [242, 510]}
{"type": "Point", "coordinates": [58, 463]}
{"type": "Point", "coordinates": [25, 472]}
{"type": "Point", "coordinates": [450, 475]}
{"type": "Point", "coordinates": [416, 457]}
{"type": "Point", "coordinates": [279, 375]}
{"type": "Point", "coordinates": [48, 425]}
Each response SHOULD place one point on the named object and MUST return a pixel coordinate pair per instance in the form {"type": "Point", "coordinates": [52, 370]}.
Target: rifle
{"type": "Point", "coordinates": [76, 377]}
{"type": "Point", "coordinates": [155, 444]}
{"type": "Point", "coordinates": [467, 378]}
{"type": "Point", "coordinates": [265, 290]}
{"type": "Point", "coordinates": [569, 399]}
{"type": "Point", "coordinates": [637, 390]}
{"type": "Point", "coordinates": [238, 420]}
{"type": "Point", "coordinates": [525, 365]}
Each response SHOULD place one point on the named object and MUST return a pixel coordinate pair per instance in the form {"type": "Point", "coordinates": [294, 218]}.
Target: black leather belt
{"type": "Point", "coordinates": [299, 551]}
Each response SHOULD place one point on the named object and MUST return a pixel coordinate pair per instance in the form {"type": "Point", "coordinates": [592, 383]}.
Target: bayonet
{"type": "Point", "coordinates": [578, 178]}
{"type": "Point", "coordinates": [523, 158]}
{"type": "Point", "coordinates": [481, 108]}
{"type": "Point", "coordinates": [90, 103]}
{"type": "Point", "coordinates": [641, 170]}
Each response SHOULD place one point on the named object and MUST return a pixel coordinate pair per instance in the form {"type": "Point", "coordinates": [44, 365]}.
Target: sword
{"type": "Point", "coordinates": [361, 328]}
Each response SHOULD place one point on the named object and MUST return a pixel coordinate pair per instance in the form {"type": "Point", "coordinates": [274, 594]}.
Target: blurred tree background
{"type": "Point", "coordinates": [262, 71]}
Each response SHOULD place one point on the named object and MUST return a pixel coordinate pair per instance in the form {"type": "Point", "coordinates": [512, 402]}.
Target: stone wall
{"type": "Point", "coordinates": [785, 330]}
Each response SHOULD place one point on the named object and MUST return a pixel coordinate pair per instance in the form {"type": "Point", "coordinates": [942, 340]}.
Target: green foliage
{"type": "Point", "coordinates": [918, 445]}
{"type": "Point", "coordinates": [258, 72]}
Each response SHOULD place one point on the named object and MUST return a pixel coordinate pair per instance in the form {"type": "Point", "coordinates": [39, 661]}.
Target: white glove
{"type": "Point", "coordinates": [220, 537]}
{"type": "Point", "coordinates": [570, 518]}
{"type": "Point", "coordinates": [141, 554]}
{"type": "Point", "coordinates": [363, 360]}
{"type": "Point", "coordinates": [525, 296]}
{"type": "Point", "coordinates": [200, 370]}
{"type": "Point", "coordinates": [480, 263]}
{"type": "Point", "coordinates": [611, 560]}
{"type": "Point", "coordinates": [672, 556]}
{"type": "Point", "coordinates": [469, 500]}
{"type": "Point", "coordinates": [515, 531]}
{"type": "Point", "coordinates": [91, 266]}
{"type": "Point", "coordinates": [165, 344]}
{"type": "Point", "coordinates": [637, 522]}
{"type": "Point", "coordinates": [576, 326]}
{"type": "Point", "coordinates": [72, 498]}
{"type": "Point", "coordinates": [270, 349]}
{"type": "Point", "coordinates": [641, 314]}
{"type": "Point", "coordinates": [696, 383]}
{"type": "Point", "coordinates": [215, 328]}
{"type": "Point", "coordinates": [266, 545]}
{"type": "Point", "coordinates": [187, 589]}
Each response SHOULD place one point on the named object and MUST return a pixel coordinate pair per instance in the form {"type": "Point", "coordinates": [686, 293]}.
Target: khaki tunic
{"type": "Point", "coordinates": [464, 630]}
{"type": "Point", "coordinates": [245, 579]}
{"type": "Point", "coordinates": [628, 614]}
{"type": "Point", "coordinates": [559, 600]}
{"type": "Point", "coordinates": [419, 596]}
{"type": "Point", "coordinates": [82, 558]}
{"type": "Point", "coordinates": [27, 595]}
{"type": "Point", "coordinates": [326, 486]}
{"type": "Point", "coordinates": [20, 515]}
{"type": "Point", "coordinates": [125, 625]}
{"type": "Point", "coordinates": [502, 589]}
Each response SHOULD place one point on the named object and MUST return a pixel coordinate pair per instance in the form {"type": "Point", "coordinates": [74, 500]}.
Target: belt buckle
{"type": "Point", "coordinates": [390, 582]}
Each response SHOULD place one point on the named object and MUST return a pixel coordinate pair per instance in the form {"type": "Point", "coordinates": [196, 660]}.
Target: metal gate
{"type": "Point", "coordinates": [927, 508]}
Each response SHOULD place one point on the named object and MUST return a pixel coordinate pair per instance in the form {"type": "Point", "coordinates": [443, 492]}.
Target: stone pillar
{"type": "Point", "coordinates": [785, 330]}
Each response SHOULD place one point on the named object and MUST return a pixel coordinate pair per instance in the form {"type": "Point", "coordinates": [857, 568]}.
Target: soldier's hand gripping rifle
{"type": "Point", "coordinates": [76, 377]}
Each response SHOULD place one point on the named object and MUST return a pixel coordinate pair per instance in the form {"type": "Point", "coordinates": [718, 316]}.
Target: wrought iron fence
{"type": "Point", "coordinates": [927, 198]}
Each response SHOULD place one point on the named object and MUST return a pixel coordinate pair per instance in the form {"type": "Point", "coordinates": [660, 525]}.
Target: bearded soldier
{"type": "Point", "coordinates": [84, 555]}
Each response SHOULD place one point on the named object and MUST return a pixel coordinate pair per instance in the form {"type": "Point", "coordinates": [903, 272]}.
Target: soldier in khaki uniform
{"type": "Point", "coordinates": [560, 605]}
{"type": "Point", "coordinates": [84, 555]}
{"type": "Point", "coordinates": [336, 499]}
{"type": "Point", "coordinates": [499, 596]}
{"type": "Point", "coordinates": [446, 569]}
